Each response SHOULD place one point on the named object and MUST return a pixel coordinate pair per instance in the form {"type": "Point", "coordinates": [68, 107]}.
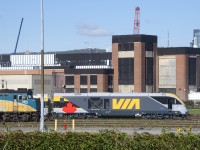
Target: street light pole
{"type": "Point", "coordinates": [42, 70]}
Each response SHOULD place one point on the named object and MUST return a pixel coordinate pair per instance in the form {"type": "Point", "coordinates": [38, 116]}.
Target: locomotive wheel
{"type": "Point", "coordinates": [34, 117]}
{"type": "Point", "coordinates": [6, 117]}
{"type": "Point", "coordinates": [160, 116]}
{"type": "Point", "coordinates": [14, 118]}
{"type": "Point", "coordinates": [25, 117]}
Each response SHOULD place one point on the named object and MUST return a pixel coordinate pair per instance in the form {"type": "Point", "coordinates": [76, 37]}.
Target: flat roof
{"type": "Point", "coordinates": [177, 50]}
{"type": "Point", "coordinates": [134, 38]}
{"type": "Point", "coordinates": [104, 94]}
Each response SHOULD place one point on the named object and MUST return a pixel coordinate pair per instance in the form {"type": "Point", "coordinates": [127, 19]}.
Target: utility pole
{"type": "Point", "coordinates": [42, 70]}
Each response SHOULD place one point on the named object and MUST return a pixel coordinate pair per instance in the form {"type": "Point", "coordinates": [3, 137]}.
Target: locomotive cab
{"type": "Point", "coordinates": [173, 103]}
{"type": "Point", "coordinates": [18, 105]}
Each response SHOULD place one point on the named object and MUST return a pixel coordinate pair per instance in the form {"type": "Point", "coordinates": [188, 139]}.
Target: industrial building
{"type": "Point", "coordinates": [61, 70]}
{"type": "Point", "coordinates": [179, 70]}
{"type": "Point", "coordinates": [134, 65]}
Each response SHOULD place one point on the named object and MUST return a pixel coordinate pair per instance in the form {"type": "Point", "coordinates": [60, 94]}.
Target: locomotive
{"type": "Point", "coordinates": [147, 105]}
{"type": "Point", "coordinates": [19, 105]}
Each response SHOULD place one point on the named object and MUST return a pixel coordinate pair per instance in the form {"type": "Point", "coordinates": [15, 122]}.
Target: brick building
{"type": "Point", "coordinates": [179, 70]}
{"type": "Point", "coordinates": [134, 65]}
{"type": "Point", "coordinates": [133, 62]}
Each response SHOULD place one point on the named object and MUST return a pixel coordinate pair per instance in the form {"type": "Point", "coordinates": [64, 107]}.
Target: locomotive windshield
{"type": "Point", "coordinates": [30, 93]}
{"type": "Point", "coordinates": [167, 100]}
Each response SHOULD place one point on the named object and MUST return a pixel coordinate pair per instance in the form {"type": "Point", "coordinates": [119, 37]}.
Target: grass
{"type": "Point", "coordinates": [194, 111]}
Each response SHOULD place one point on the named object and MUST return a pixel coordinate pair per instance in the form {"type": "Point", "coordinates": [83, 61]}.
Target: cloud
{"type": "Point", "coordinates": [92, 30]}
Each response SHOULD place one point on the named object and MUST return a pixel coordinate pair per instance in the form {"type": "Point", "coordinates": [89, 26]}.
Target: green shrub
{"type": "Point", "coordinates": [189, 104]}
{"type": "Point", "coordinates": [105, 139]}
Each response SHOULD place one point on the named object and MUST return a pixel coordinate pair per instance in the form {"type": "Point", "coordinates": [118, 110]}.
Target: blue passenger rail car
{"type": "Point", "coordinates": [147, 105]}
{"type": "Point", "coordinates": [18, 105]}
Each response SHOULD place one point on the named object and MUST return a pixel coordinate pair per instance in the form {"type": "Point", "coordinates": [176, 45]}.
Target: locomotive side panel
{"type": "Point", "coordinates": [121, 104]}
{"type": "Point", "coordinates": [130, 106]}
{"type": "Point", "coordinates": [118, 106]}
{"type": "Point", "coordinates": [10, 104]}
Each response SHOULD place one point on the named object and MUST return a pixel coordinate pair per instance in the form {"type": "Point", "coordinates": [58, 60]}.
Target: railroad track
{"type": "Point", "coordinates": [109, 123]}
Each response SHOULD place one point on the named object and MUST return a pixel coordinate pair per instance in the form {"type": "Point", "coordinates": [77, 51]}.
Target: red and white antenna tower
{"type": "Point", "coordinates": [137, 21]}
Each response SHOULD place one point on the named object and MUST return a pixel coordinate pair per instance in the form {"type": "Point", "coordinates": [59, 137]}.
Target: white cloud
{"type": "Point", "coordinates": [92, 30]}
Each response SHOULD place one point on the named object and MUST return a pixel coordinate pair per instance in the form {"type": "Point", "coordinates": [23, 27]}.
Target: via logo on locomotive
{"type": "Point", "coordinates": [123, 103]}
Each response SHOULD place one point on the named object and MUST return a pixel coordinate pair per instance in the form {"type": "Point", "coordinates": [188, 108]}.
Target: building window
{"type": "Point", "coordinates": [149, 71]}
{"type": "Point", "coordinates": [93, 79]}
{"type": "Point", "coordinates": [83, 80]}
{"type": "Point", "coordinates": [69, 80]}
{"type": "Point", "coordinates": [93, 89]}
{"type": "Point", "coordinates": [110, 80]}
{"type": "Point", "coordinates": [83, 90]}
{"type": "Point", "coordinates": [126, 71]}
{"type": "Point", "coordinates": [69, 90]}
{"type": "Point", "coordinates": [192, 71]}
{"type": "Point", "coordinates": [167, 90]}
{"type": "Point", "coordinates": [110, 90]}
{"type": "Point", "coordinates": [126, 47]}
{"type": "Point", "coordinates": [148, 46]}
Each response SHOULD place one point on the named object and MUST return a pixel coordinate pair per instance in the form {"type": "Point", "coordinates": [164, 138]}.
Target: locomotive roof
{"type": "Point", "coordinates": [20, 90]}
{"type": "Point", "coordinates": [109, 94]}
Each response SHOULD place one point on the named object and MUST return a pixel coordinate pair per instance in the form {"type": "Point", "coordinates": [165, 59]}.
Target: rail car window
{"type": "Point", "coordinates": [19, 97]}
{"type": "Point", "coordinates": [24, 98]}
{"type": "Point", "coordinates": [162, 100]}
{"type": "Point", "coordinates": [178, 102]}
{"type": "Point", "coordinates": [167, 100]}
{"type": "Point", "coordinates": [106, 104]}
{"type": "Point", "coordinates": [95, 103]}
{"type": "Point", "coordinates": [15, 96]}
{"type": "Point", "coordinates": [171, 101]}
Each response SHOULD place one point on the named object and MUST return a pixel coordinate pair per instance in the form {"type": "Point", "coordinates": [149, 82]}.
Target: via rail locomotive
{"type": "Point", "coordinates": [19, 105]}
{"type": "Point", "coordinates": [147, 105]}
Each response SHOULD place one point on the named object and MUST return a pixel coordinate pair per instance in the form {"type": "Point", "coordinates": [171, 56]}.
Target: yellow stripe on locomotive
{"type": "Point", "coordinates": [46, 97]}
{"type": "Point", "coordinates": [175, 96]}
{"type": "Point", "coordinates": [59, 99]}
{"type": "Point", "coordinates": [9, 106]}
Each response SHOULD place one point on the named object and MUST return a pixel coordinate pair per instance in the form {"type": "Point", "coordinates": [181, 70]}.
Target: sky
{"type": "Point", "coordinates": [79, 24]}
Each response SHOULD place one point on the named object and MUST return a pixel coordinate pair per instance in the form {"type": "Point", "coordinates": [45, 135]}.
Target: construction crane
{"type": "Point", "coordinates": [18, 36]}
{"type": "Point", "coordinates": [137, 21]}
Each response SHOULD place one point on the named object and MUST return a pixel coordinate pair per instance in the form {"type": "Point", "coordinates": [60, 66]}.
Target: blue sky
{"type": "Point", "coordinates": [77, 24]}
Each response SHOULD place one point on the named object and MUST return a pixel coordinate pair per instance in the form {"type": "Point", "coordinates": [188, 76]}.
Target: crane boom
{"type": "Point", "coordinates": [18, 36]}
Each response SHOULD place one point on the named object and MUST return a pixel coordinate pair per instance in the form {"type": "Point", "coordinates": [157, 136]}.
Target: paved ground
{"type": "Point", "coordinates": [129, 131]}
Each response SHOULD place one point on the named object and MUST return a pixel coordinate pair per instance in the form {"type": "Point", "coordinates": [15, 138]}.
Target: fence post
{"type": "Point", "coordinates": [73, 124]}
{"type": "Point", "coordinates": [56, 124]}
